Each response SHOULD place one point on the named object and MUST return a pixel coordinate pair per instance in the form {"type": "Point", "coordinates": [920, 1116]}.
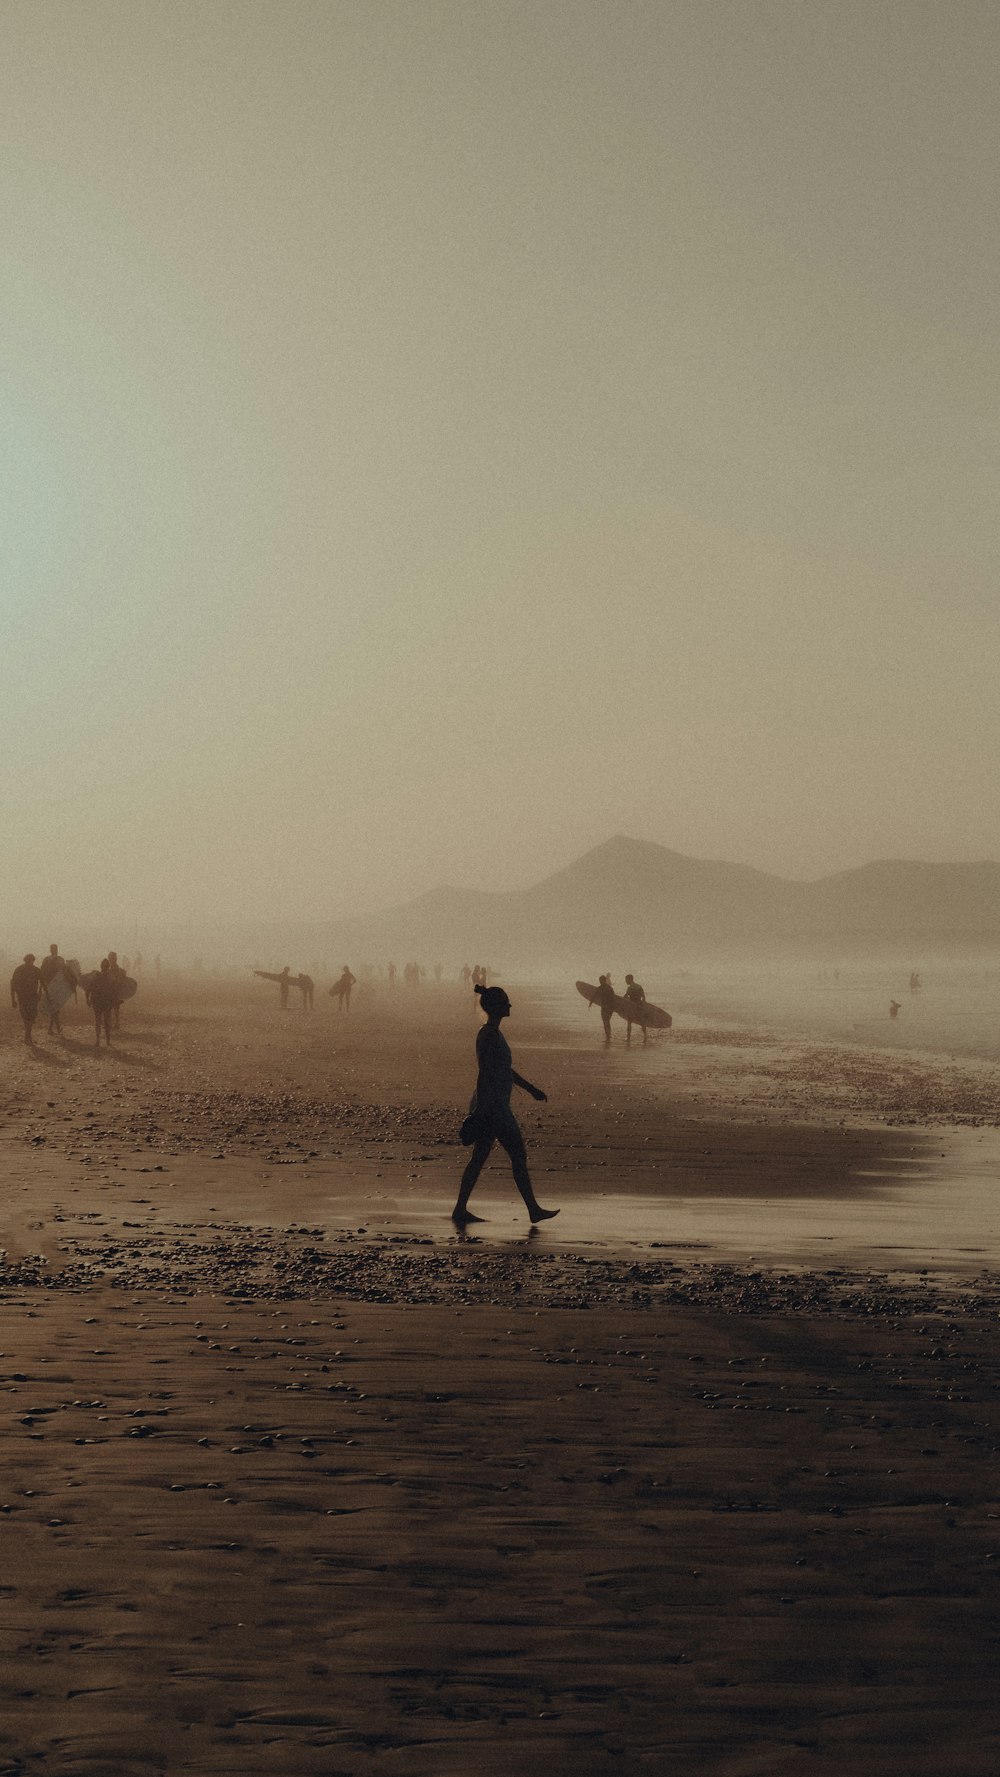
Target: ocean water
{"type": "Point", "coordinates": [954, 1013]}
{"type": "Point", "coordinates": [935, 1205]}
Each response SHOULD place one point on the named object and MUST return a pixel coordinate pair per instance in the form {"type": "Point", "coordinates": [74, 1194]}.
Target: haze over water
{"type": "Point", "coordinates": [548, 450]}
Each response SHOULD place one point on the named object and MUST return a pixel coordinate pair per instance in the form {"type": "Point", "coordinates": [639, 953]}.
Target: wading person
{"type": "Point", "coordinates": [491, 1115]}
{"type": "Point", "coordinates": [25, 988]}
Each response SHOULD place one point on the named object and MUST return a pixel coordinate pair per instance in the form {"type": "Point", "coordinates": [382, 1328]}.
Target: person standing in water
{"type": "Point", "coordinates": [490, 1107]}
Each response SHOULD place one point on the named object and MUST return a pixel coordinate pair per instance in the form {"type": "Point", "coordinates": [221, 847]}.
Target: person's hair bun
{"type": "Point", "coordinates": [480, 987]}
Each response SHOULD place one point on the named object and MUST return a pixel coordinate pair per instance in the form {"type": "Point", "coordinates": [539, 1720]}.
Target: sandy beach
{"type": "Point", "coordinates": [700, 1477]}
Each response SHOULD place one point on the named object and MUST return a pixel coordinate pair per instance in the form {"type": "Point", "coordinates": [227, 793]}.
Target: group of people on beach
{"type": "Point", "coordinates": [54, 980]}
{"type": "Point", "coordinates": [607, 999]}
{"type": "Point", "coordinates": [490, 1116]}
{"type": "Point", "coordinates": [478, 975]}
{"type": "Point", "coordinates": [413, 975]}
{"type": "Point", "coordinates": [341, 989]}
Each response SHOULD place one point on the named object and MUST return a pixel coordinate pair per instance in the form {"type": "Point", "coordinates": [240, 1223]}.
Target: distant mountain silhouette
{"type": "Point", "coordinates": [633, 899]}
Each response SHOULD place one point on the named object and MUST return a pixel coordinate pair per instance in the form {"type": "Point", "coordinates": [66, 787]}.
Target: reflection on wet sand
{"type": "Point", "coordinates": [303, 1477]}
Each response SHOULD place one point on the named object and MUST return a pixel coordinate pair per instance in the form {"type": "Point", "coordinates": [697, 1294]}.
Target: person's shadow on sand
{"type": "Point", "coordinates": [46, 1057]}
{"type": "Point", "coordinates": [114, 1053]}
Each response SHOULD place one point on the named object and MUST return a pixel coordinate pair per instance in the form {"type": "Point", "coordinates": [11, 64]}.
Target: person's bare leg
{"type": "Point", "coordinates": [461, 1214]}
{"type": "Point", "coordinates": [522, 1179]}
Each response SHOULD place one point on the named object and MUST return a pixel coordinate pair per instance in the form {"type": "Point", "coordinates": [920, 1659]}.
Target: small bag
{"type": "Point", "coordinates": [475, 1128]}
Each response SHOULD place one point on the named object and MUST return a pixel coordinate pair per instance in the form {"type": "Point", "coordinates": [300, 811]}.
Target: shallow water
{"type": "Point", "coordinates": [955, 1012]}
{"type": "Point", "coordinates": [939, 1210]}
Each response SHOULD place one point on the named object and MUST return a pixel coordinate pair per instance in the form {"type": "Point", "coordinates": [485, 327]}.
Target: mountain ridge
{"type": "Point", "coordinates": [634, 896]}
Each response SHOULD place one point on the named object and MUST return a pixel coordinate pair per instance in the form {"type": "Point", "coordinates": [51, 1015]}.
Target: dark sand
{"type": "Point", "coordinates": [296, 1481]}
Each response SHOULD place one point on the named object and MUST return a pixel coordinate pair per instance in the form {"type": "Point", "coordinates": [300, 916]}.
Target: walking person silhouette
{"type": "Point", "coordinates": [25, 988]}
{"type": "Point", "coordinates": [490, 1115]}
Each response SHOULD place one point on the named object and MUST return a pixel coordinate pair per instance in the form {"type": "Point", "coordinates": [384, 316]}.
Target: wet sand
{"type": "Point", "coordinates": [296, 1480]}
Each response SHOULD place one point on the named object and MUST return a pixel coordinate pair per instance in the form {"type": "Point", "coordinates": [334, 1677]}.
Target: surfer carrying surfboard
{"type": "Point", "coordinates": [52, 970]}
{"type": "Point", "coordinates": [101, 989]}
{"type": "Point", "coordinates": [634, 995]}
{"type": "Point", "coordinates": [490, 1115]}
{"type": "Point", "coordinates": [119, 976]}
{"type": "Point", "coordinates": [606, 997]}
{"type": "Point", "coordinates": [341, 989]}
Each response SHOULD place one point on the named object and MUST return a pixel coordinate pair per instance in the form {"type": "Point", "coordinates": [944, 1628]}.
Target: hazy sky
{"type": "Point", "coordinates": [439, 434]}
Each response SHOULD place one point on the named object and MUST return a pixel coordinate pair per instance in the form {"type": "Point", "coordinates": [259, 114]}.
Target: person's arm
{"type": "Point", "coordinates": [526, 1086]}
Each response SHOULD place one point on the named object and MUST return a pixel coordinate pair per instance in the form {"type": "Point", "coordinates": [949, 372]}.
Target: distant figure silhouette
{"type": "Point", "coordinates": [284, 983]}
{"type": "Point", "coordinates": [633, 995]}
{"type": "Point", "coordinates": [466, 974]}
{"type": "Point", "coordinates": [101, 992]}
{"type": "Point", "coordinates": [893, 1008]}
{"type": "Point", "coordinates": [25, 988]}
{"type": "Point", "coordinates": [914, 982]}
{"type": "Point", "coordinates": [119, 977]}
{"type": "Point", "coordinates": [51, 967]}
{"type": "Point", "coordinates": [391, 972]}
{"type": "Point", "coordinates": [342, 989]}
{"type": "Point", "coordinates": [308, 986]}
{"type": "Point", "coordinates": [606, 1001]}
{"type": "Point", "coordinates": [491, 1115]}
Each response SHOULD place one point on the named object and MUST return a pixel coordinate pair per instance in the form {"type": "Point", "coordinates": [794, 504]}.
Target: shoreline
{"type": "Point", "coordinates": [299, 1482]}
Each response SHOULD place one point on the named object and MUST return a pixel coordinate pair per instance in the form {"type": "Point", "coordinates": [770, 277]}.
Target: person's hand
{"type": "Point", "coordinates": [536, 1092]}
